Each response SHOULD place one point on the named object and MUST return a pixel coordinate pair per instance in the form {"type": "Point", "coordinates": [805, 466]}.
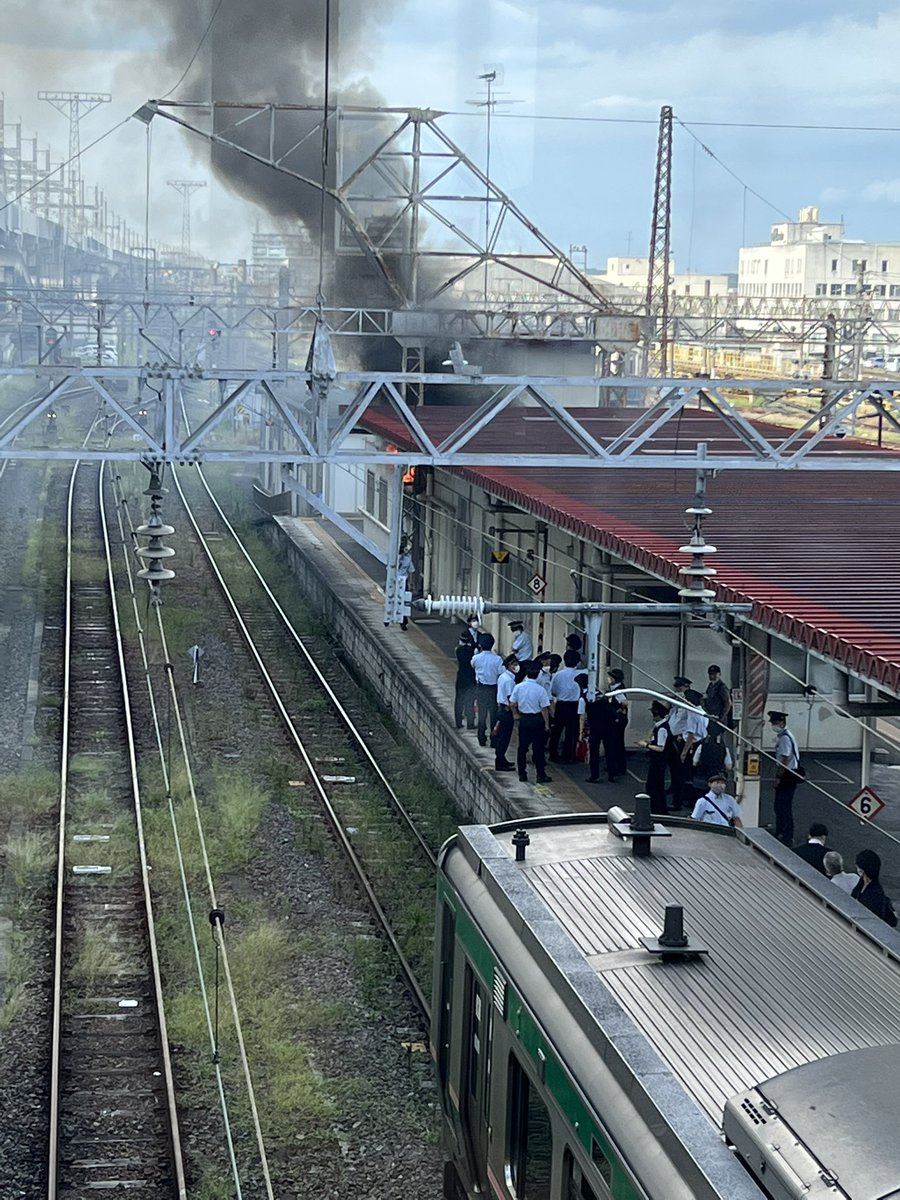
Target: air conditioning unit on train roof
{"type": "Point", "coordinates": [827, 1129]}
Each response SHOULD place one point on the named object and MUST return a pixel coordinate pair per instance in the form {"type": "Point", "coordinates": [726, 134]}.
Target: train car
{"type": "Point", "coordinates": [635, 1011]}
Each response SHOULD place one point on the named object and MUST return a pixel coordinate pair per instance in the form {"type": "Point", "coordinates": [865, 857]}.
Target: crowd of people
{"type": "Point", "coordinates": [547, 694]}
{"type": "Point", "coordinates": [584, 724]}
{"type": "Point", "coordinates": [688, 742]}
{"type": "Point", "coordinates": [864, 885]}
{"type": "Point", "coordinates": [561, 720]}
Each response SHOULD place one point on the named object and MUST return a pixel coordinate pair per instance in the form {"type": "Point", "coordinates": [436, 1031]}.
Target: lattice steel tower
{"type": "Point", "coordinates": [657, 361]}
{"type": "Point", "coordinates": [186, 188]}
{"type": "Point", "coordinates": [75, 106]}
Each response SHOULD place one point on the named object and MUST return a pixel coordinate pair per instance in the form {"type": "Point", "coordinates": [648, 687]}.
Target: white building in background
{"type": "Point", "coordinates": [812, 258]}
{"type": "Point", "coordinates": [631, 272]}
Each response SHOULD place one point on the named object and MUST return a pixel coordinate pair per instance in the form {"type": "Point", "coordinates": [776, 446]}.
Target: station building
{"type": "Point", "coordinates": [814, 552]}
{"type": "Point", "coordinates": [809, 258]}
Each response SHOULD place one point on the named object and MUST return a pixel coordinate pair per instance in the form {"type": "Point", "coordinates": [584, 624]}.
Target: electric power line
{"type": "Point", "coordinates": [76, 157]}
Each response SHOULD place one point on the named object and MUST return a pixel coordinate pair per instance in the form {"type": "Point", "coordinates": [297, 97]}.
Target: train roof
{"type": "Point", "coordinates": [795, 970]}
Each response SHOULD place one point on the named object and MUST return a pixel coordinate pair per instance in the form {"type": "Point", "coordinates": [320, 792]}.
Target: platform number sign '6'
{"type": "Point", "coordinates": [866, 804]}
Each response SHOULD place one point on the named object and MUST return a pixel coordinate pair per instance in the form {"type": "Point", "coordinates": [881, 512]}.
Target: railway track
{"type": "Point", "coordinates": [113, 1124]}
{"type": "Point", "coordinates": [380, 834]}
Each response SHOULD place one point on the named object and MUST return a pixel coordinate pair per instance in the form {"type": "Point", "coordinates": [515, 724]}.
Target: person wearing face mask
{"type": "Point", "coordinates": [717, 807]}
{"type": "Point", "coordinates": [473, 627]}
{"type": "Point", "coordinates": [869, 891]}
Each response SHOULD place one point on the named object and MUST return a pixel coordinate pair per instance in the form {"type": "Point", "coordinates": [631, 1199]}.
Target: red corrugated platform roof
{"type": "Point", "coordinates": [817, 553]}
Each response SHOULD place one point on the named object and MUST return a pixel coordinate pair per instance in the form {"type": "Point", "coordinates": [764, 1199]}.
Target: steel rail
{"type": "Point", "coordinates": [127, 543]}
{"type": "Point", "coordinates": [53, 1165]}
{"type": "Point", "coordinates": [321, 680]}
{"type": "Point", "coordinates": [156, 973]}
{"type": "Point", "coordinates": [294, 735]}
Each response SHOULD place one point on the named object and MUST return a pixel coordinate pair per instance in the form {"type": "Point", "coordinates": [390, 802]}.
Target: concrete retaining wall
{"type": "Point", "coordinates": [409, 685]}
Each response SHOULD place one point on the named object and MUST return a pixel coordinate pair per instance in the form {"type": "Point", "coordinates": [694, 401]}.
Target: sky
{"type": "Point", "coordinates": [580, 86]}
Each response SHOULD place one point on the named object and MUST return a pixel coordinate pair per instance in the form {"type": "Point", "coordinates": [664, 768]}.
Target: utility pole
{"type": "Point", "coordinates": [864, 312]}
{"type": "Point", "coordinates": [658, 362]}
{"type": "Point", "coordinates": [186, 188]}
{"type": "Point", "coordinates": [75, 106]}
{"type": "Point", "coordinates": [490, 76]}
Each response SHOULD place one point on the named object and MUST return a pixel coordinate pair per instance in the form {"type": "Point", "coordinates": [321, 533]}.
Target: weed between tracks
{"type": "Point", "coordinates": [260, 951]}
{"type": "Point", "coordinates": [305, 998]}
{"type": "Point", "coordinates": [27, 858]}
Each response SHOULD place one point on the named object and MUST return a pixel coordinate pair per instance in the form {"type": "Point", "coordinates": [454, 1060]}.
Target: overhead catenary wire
{"type": "Point", "coordinates": [734, 175]}
{"type": "Point", "coordinates": [193, 58]}
{"type": "Point", "coordinates": [112, 129]}
{"type": "Point", "coordinates": [576, 118]}
{"type": "Point", "coordinates": [323, 190]}
{"type": "Point", "coordinates": [127, 542]}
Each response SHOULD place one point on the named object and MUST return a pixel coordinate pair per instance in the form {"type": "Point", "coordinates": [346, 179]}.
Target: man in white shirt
{"type": "Point", "coordinates": [487, 667]}
{"type": "Point", "coordinates": [833, 864]}
{"type": "Point", "coordinates": [522, 646]}
{"type": "Point", "coordinates": [679, 767]}
{"type": "Point", "coordinates": [503, 728]}
{"type": "Point", "coordinates": [565, 694]}
{"type": "Point", "coordinates": [717, 807]}
{"type": "Point", "coordinates": [530, 708]}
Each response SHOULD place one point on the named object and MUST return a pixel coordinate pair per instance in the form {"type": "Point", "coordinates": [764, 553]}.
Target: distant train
{"type": "Point", "coordinates": [584, 1052]}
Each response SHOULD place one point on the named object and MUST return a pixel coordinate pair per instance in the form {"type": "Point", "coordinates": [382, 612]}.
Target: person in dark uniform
{"type": "Point", "coordinates": [530, 707]}
{"type": "Point", "coordinates": [656, 750]}
{"type": "Point", "coordinates": [600, 718]}
{"type": "Point", "coordinates": [464, 695]}
{"type": "Point", "coordinates": [615, 765]}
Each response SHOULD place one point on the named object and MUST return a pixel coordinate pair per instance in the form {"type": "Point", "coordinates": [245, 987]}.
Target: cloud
{"type": "Point", "coordinates": [882, 190]}
{"type": "Point", "coordinates": [621, 104]}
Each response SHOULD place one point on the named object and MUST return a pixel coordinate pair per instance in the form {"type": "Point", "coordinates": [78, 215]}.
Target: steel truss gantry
{"type": "Point", "coordinates": [409, 182]}
{"type": "Point", "coordinates": [314, 413]}
{"type": "Point", "coordinates": [170, 327]}
{"type": "Point", "coordinates": [168, 323]}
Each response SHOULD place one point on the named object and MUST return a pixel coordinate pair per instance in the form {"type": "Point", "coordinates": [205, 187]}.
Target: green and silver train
{"type": "Point", "coordinates": [630, 1011]}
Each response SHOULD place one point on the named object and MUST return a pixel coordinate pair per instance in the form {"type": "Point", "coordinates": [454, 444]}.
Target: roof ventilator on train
{"type": "Point", "coordinates": [639, 828]}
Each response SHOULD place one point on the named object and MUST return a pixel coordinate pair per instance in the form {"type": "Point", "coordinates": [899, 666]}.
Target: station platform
{"type": "Point", "coordinates": [425, 652]}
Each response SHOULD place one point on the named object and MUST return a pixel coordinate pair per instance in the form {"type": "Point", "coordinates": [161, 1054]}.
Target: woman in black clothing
{"type": "Point", "coordinates": [869, 891]}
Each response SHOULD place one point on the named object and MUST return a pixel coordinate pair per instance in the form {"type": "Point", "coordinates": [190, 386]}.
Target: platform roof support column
{"type": "Point", "coordinates": [594, 625]}
{"type": "Point", "coordinates": [751, 724]}
{"type": "Point", "coordinates": [392, 602]}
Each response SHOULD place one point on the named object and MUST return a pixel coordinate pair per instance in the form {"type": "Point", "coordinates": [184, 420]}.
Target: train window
{"type": "Point", "coordinates": [574, 1182]}
{"type": "Point", "coordinates": [475, 1011]}
{"type": "Point", "coordinates": [529, 1138]}
{"type": "Point", "coordinates": [601, 1162]}
{"type": "Point", "coordinates": [476, 1065]}
{"type": "Point", "coordinates": [448, 947]}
